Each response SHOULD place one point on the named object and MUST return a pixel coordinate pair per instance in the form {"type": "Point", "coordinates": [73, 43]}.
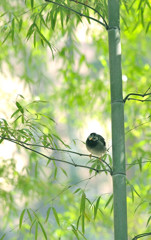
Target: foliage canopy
{"type": "Point", "coordinates": [60, 54]}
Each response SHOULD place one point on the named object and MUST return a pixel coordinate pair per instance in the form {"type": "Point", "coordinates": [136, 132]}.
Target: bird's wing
{"type": "Point", "coordinates": [102, 140]}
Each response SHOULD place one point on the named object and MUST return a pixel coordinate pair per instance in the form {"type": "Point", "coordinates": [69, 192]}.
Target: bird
{"type": "Point", "coordinates": [96, 144]}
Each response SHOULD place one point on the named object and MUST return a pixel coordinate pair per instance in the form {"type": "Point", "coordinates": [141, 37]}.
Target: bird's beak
{"type": "Point", "coordinates": [90, 138]}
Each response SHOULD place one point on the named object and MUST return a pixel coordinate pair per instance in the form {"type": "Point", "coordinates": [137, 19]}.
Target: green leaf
{"type": "Point", "coordinates": [35, 39]}
{"type": "Point", "coordinates": [56, 215]}
{"type": "Point", "coordinates": [65, 173]}
{"type": "Point", "coordinates": [109, 200]}
{"type": "Point", "coordinates": [32, 224]}
{"type": "Point", "coordinates": [82, 204]}
{"type": "Point", "coordinates": [3, 236]}
{"type": "Point", "coordinates": [96, 207]}
{"type": "Point", "coordinates": [43, 230]}
{"type": "Point", "coordinates": [48, 213]}
{"type": "Point", "coordinates": [22, 118]}
{"type": "Point", "coordinates": [19, 107]}
{"type": "Point", "coordinates": [30, 30]}
{"type": "Point", "coordinates": [61, 17]}
{"type": "Point", "coordinates": [32, 4]}
{"type": "Point", "coordinates": [7, 36]}
{"type": "Point", "coordinates": [55, 172]}
{"type": "Point", "coordinates": [20, 24]}
{"type": "Point", "coordinates": [81, 234]}
{"type": "Point", "coordinates": [44, 39]}
{"type": "Point", "coordinates": [139, 160]}
{"type": "Point", "coordinates": [36, 231]}
{"type": "Point", "coordinates": [83, 223]}
{"type": "Point", "coordinates": [78, 221]}
{"type": "Point", "coordinates": [13, 26]}
{"type": "Point", "coordinates": [21, 218]}
{"type": "Point", "coordinates": [29, 215]}
{"type": "Point", "coordinates": [148, 221]}
{"type": "Point", "coordinates": [15, 113]}
{"type": "Point", "coordinates": [17, 118]}
{"type": "Point", "coordinates": [148, 26]}
{"type": "Point", "coordinates": [1, 140]}
{"type": "Point", "coordinates": [77, 190]}
{"type": "Point", "coordinates": [75, 231]}
{"type": "Point", "coordinates": [139, 206]}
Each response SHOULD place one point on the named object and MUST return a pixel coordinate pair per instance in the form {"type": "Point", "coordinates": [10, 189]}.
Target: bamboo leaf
{"type": "Point", "coordinates": [13, 26]}
{"type": "Point", "coordinates": [148, 26]}
{"type": "Point", "coordinates": [78, 221]}
{"type": "Point", "coordinates": [81, 234]}
{"type": "Point", "coordinates": [21, 218]}
{"type": "Point", "coordinates": [56, 215]}
{"type": "Point", "coordinates": [1, 140]}
{"type": "Point", "coordinates": [82, 204]}
{"type": "Point", "coordinates": [30, 30]}
{"type": "Point", "coordinates": [20, 24]}
{"type": "Point", "coordinates": [43, 39]}
{"type": "Point", "coordinates": [148, 221]}
{"type": "Point", "coordinates": [140, 163]}
{"type": "Point", "coordinates": [29, 215]}
{"type": "Point", "coordinates": [48, 213]}
{"type": "Point", "coordinates": [43, 230]}
{"type": "Point", "coordinates": [55, 172]}
{"type": "Point", "coordinates": [83, 223]}
{"type": "Point", "coordinates": [35, 41]}
{"type": "Point", "coordinates": [65, 173]}
{"type": "Point", "coordinates": [15, 113]}
{"type": "Point", "coordinates": [138, 206]}
{"type": "Point", "coordinates": [61, 18]}
{"type": "Point", "coordinates": [96, 207]}
{"type": "Point", "coordinates": [7, 36]}
{"type": "Point", "coordinates": [3, 236]}
{"type": "Point", "coordinates": [109, 200]}
{"type": "Point", "coordinates": [77, 190]}
{"type": "Point", "coordinates": [75, 231]}
{"type": "Point", "coordinates": [32, 224]}
{"type": "Point", "coordinates": [61, 140]}
{"type": "Point", "coordinates": [36, 231]}
{"type": "Point", "coordinates": [32, 4]}
{"type": "Point", "coordinates": [17, 118]}
{"type": "Point", "coordinates": [22, 118]}
{"type": "Point", "coordinates": [19, 107]}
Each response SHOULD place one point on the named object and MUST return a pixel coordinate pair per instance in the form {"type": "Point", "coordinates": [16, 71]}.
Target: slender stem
{"type": "Point", "coordinates": [84, 4]}
{"type": "Point", "coordinates": [25, 145]}
{"type": "Point", "coordinates": [81, 14]}
{"type": "Point", "coordinates": [136, 94]}
{"type": "Point", "coordinates": [141, 235]}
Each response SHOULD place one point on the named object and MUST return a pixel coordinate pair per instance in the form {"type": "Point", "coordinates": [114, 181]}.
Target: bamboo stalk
{"type": "Point", "coordinates": [117, 114]}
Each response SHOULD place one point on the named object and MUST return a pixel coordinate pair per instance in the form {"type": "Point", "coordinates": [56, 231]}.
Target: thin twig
{"type": "Point", "coordinates": [21, 143]}
{"type": "Point", "coordinates": [24, 145]}
{"type": "Point", "coordinates": [19, 15]}
{"type": "Point", "coordinates": [141, 235]}
{"type": "Point", "coordinates": [84, 4]}
{"type": "Point", "coordinates": [81, 14]}
{"type": "Point", "coordinates": [140, 100]}
{"type": "Point", "coordinates": [148, 89]}
{"type": "Point", "coordinates": [136, 94]}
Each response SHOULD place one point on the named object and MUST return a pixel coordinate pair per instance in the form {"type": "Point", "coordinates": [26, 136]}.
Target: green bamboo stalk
{"type": "Point", "coordinates": [117, 113]}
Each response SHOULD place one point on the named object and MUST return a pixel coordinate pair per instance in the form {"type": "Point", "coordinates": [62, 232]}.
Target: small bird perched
{"type": "Point", "coordinates": [96, 144]}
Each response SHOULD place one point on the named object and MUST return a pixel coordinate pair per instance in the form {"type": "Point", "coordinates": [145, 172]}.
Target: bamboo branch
{"type": "Point", "coordinates": [141, 235]}
{"type": "Point", "coordinates": [25, 145]}
{"type": "Point", "coordinates": [84, 4]}
{"type": "Point", "coordinates": [79, 13]}
{"type": "Point", "coordinates": [136, 94]}
{"type": "Point", "coordinates": [140, 100]}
